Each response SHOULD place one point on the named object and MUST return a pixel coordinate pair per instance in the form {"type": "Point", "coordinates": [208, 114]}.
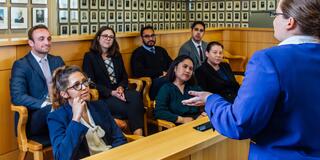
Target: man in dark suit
{"type": "Point", "coordinates": [195, 47]}
{"type": "Point", "coordinates": [31, 78]}
{"type": "Point", "coordinates": [150, 60]}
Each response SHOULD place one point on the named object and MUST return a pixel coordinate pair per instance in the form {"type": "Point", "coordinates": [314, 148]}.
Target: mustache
{"type": "Point", "coordinates": [151, 41]}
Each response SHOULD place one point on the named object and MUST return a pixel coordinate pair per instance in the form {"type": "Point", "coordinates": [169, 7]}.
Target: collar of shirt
{"type": "Point", "coordinates": [149, 48]}
{"type": "Point", "coordinates": [299, 40]}
{"type": "Point", "coordinates": [38, 58]}
{"type": "Point", "coordinates": [196, 44]}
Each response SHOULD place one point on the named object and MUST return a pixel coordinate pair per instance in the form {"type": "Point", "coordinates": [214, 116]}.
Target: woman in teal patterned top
{"type": "Point", "coordinates": [168, 100]}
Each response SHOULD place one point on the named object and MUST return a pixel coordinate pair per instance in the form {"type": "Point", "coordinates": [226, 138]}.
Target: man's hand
{"type": "Point", "coordinates": [199, 98]}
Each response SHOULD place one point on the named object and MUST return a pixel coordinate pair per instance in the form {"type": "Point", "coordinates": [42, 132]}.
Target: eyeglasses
{"type": "Point", "coordinates": [79, 86]}
{"type": "Point", "coordinates": [275, 14]}
{"type": "Point", "coordinates": [198, 29]}
{"type": "Point", "coordinates": [149, 36]}
{"type": "Point", "coordinates": [105, 36]}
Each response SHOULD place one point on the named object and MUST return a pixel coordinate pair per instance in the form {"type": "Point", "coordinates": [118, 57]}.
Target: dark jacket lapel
{"type": "Point", "coordinates": [34, 64]}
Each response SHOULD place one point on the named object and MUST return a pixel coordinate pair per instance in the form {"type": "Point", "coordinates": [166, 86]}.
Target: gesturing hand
{"type": "Point", "coordinates": [199, 98]}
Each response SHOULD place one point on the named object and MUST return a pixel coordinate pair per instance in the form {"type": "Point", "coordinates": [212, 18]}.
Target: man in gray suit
{"type": "Point", "coordinates": [195, 47]}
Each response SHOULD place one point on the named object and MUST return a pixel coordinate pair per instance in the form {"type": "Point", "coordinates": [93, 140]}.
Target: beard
{"type": "Point", "coordinates": [148, 43]}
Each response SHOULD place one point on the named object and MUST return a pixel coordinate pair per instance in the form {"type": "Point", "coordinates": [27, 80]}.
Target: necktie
{"type": "Point", "coordinates": [200, 53]}
{"type": "Point", "coordinates": [46, 72]}
{"type": "Point", "coordinates": [152, 50]}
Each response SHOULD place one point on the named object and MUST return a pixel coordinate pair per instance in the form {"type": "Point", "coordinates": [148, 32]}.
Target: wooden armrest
{"type": "Point", "coordinates": [239, 58]}
{"type": "Point", "coordinates": [94, 94]}
{"type": "Point", "coordinates": [146, 98]}
{"type": "Point", "coordinates": [239, 78]}
{"type": "Point", "coordinates": [132, 137]}
{"type": "Point", "coordinates": [165, 123]}
{"type": "Point", "coordinates": [137, 82]}
{"type": "Point", "coordinates": [228, 55]}
{"type": "Point", "coordinates": [21, 126]}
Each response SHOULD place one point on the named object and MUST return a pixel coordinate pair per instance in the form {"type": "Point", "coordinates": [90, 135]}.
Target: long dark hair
{"type": "Point", "coordinates": [96, 47]}
{"type": "Point", "coordinates": [171, 75]}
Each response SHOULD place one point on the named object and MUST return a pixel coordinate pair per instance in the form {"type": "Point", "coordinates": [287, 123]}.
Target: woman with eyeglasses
{"type": "Point", "coordinates": [169, 97]}
{"type": "Point", "coordinates": [104, 66]}
{"type": "Point", "coordinates": [79, 127]}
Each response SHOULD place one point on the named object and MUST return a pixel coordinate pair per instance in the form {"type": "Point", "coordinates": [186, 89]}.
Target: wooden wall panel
{"type": "Point", "coordinates": [70, 51]}
{"type": "Point", "coordinates": [7, 58]}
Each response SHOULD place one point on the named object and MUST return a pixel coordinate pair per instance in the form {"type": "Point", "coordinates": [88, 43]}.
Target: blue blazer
{"type": "Point", "coordinates": [190, 50]}
{"type": "Point", "coordinates": [278, 104]}
{"type": "Point", "coordinates": [68, 137]}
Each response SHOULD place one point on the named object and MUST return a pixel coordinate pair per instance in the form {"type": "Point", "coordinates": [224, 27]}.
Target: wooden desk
{"type": "Point", "coordinates": [182, 142]}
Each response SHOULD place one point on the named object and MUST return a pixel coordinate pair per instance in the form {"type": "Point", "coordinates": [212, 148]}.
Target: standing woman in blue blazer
{"type": "Point", "coordinates": [104, 66]}
{"type": "Point", "coordinates": [78, 127]}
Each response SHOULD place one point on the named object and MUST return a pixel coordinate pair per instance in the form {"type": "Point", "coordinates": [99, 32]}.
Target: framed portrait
{"type": "Point", "coordinates": [142, 5]}
{"type": "Point", "coordinates": [94, 16]}
{"type": "Point", "coordinates": [167, 16]}
{"type": "Point", "coordinates": [229, 16]}
{"type": "Point", "coordinates": [134, 16]}
{"type": "Point", "coordinates": [93, 4]}
{"type": "Point", "coordinates": [142, 16]}
{"type": "Point", "coordinates": [155, 16]}
{"type": "Point", "coordinates": [161, 26]}
{"type": "Point", "coordinates": [141, 25]}
{"type": "Point", "coordinates": [84, 16]}
{"type": "Point", "coordinates": [173, 26]}
{"type": "Point", "coordinates": [213, 16]}
{"type": "Point", "coordinates": [19, 17]}
{"type": "Point", "coordinates": [148, 24]}
{"type": "Point", "coordinates": [206, 6]}
{"type": "Point", "coordinates": [113, 26]}
{"type": "Point", "coordinates": [161, 5]}
{"type": "Point", "coordinates": [183, 16]}
{"type": "Point", "coordinates": [236, 16]}
{"type": "Point", "coordinates": [74, 29]}
{"type": "Point", "coordinates": [149, 16]}
{"type": "Point", "coordinates": [85, 29]}
{"type": "Point", "coordinates": [236, 5]}
{"type": "Point", "coordinates": [111, 4]}
{"type": "Point", "coordinates": [228, 25]}
{"type": "Point", "coordinates": [245, 5]}
{"type": "Point", "coordinates": [183, 25]}
{"type": "Point", "coordinates": [102, 4]}
{"type": "Point", "coordinates": [229, 6]}
{"type": "Point", "coordinates": [119, 4]}
{"type": "Point", "coordinates": [253, 5]}
{"type": "Point", "coordinates": [244, 16]}
{"type": "Point", "coordinates": [244, 25]}
{"type": "Point", "coordinates": [178, 6]}
{"type": "Point", "coordinates": [63, 4]}
{"type": "Point", "coordinates": [127, 27]}
{"type": "Point", "coordinates": [173, 6]}
{"type": "Point", "coordinates": [172, 16]}
{"type": "Point", "coordinates": [198, 16]}
{"type": "Point", "coordinates": [221, 6]}
{"type": "Point", "coordinates": [73, 4]}
{"type": "Point", "coordinates": [178, 16]}
{"type": "Point", "coordinates": [119, 27]}
{"type": "Point", "coordinates": [84, 4]}
{"type": "Point", "coordinates": [271, 5]}
{"type": "Point", "coordinates": [213, 25]}
{"type": "Point", "coordinates": [191, 16]}
{"type": "Point", "coordinates": [103, 25]}
{"type": "Point", "coordinates": [103, 16]}
{"type": "Point", "coordinates": [74, 16]}
{"type": "Point", "coordinates": [134, 4]}
{"type": "Point", "coordinates": [94, 28]}
{"type": "Point", "coordinates": [119, 17]}
{"type": "Point", "coordinates": [19, 1]}
{"type": "Point", "coordinates": [155, 5]}
{"type": "Point", "coordinates": [178, 25]}
{"type": "Point", "coordinates": [236, 25]}
{"type": "Point", "coordinates": [161, 16]}
{"type": "Point", "coordinates": [214, 6]}
{"type": "Point", "coordinates": [127, 4]}
{"type": "Point", "coordinates": [39, 2]}
{"type": "Point", "coordinates": [155, 26]}
{"type": "Point", "coordinates": [40, 16]}
{"type": "Point", "coordinates": [199, 6]}
{"type": "Point", "coordinates": [262, 5]}
{"type": "Point", "coordinates": [127, 16]}
{"type": "Point", "coordinates": [183, 6]}
{"type": "Point", "coordinates": [63, 16]}
{"type": "Point", "coordinates": [64, 30]}
{"type": "Point", "coordinates": [220, 24]}
{"type": "Point", "coordinates": [148, 5]}
{"type": "Point", "coordinates": [167, 26]}
{"type": "Point", "coordinates": [167, 5]}
{"type": "Point", "coordinates": [221, 16]}
{"type": "Point", "coordinates": [4, 18]}
{"type": "Point", "coordinates": [206, 16]}
{"type": "Point", "coordinates": [134, 27]}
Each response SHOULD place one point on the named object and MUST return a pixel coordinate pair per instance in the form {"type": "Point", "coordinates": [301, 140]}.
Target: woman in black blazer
{"type": "Point", "coordinates": [104, 65]}
{"type": "Point", "coordinates": [216, 76]}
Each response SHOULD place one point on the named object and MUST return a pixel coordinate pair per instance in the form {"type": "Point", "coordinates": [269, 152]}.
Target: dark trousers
{"type": "Point", "coordinates": [155, 86]}
{"type": "Point", "coordinates": [131, 110]}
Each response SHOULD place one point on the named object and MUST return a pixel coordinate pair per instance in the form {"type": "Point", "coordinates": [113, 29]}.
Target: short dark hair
{"type": "Point", "coordinates": [95, 45]}
{"type": "Point", "coordinates": [171, 75]}
{"type": "Point", "coordinates": [145, 28]}
{"type": "Point", "coordinates": [213, 43]}
{"type": "Point", "coordinates": [31, 30]}
{"type": "Point", "coordinates": [198, 22]}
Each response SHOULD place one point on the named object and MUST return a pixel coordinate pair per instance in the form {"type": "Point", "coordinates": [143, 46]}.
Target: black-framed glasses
{"type": "Point", "coordinates": [198, 29]}
{"type": "Point", "coordinates": [78, 86]}
{"type": "Point", "coordinates": [149, 36]}
{"type": "Point", "coordinates": [105, 36]}
{"type": "Point", "coordinates": [275, 14]}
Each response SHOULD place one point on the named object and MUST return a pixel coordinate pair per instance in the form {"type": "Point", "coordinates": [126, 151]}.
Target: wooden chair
{"type": "Point", "coordinates": [237, 62]}
{"type": "Point", "coordinates": [149, 106]}
{"type": "Point", "coordinates": [239, 77]}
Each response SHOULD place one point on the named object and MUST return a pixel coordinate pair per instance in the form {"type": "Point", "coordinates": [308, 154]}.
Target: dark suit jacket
{"type": "Point", "coordinates": [190, 50]}
{"type": "Point", "coordinates": [68, 137]}
{"type": "Point", "coordinates": [209, 80]}
{"type": "Point", "coordinates": [94, 67]}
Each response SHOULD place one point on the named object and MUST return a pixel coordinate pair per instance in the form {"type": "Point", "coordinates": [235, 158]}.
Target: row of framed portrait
{"type": "Point", "coordinates": [25, 1]}
{"type": "Point", "coordinates": [219, 16]}
{"type": "Point", "coordinates": [19, 17]}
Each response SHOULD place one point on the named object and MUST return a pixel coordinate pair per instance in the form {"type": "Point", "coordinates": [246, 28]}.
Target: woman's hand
{"type": "Point", "coordinates": [119, 93]}
{"type": "Point", "coordinates": [78, 107]}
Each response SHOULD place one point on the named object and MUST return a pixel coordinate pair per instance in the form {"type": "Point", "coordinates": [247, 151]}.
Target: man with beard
{"type": "Point", "coordinates": [30, 83]}
{"type": "Point", "coordinates": [195, 47]}
{"type": "Point", "coordinates": [151, 61]}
